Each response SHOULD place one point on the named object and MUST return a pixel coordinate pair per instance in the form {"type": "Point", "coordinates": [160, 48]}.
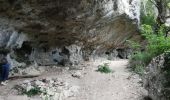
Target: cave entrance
{"type": "Point", "coordinates": [22, 54]}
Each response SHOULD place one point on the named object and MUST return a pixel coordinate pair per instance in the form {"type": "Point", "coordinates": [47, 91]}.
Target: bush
{"type": "Point", "coordinates": [157, 43]}
{"type": "Point", "coordinates": [155, 35]}
{"type": "Point", "coordinates": [104, 68]}
{"type": "Point", "coordinates": [139, 69]}
{"type": "Point", "coordinates": [135, 46]}
{"type": "Point", "coordinates": [138, 62]}
{"type": "Point", "coordinates": [148, 19]}
{"type": "Point", "coordinates": [143, 57]}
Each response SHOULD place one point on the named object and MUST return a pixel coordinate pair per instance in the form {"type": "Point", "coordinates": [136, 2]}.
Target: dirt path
{"type": "Point", "coordinates": [120, 85]}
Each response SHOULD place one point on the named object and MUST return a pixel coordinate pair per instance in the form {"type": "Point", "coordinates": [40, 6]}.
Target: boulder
{"type": "Point", "coordinates": [156, 79]}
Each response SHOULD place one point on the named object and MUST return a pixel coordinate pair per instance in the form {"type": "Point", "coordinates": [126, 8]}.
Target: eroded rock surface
{"type": "Point", "coordinates": [157, 77]}
{"type": "Point", "coordinates": [65, 31]}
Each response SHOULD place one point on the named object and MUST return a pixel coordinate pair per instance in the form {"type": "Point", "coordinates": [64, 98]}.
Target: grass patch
{"type": "Point", "coordinates": [104, 68]}
{"type": "Point", "coordinates": [138, 62]}
{"type": "Point", "coordinates": [143, 58]}
{"type": "Point", "coordinates": [139, 69]}
{"type": "Point", "coordinates": [32, 92]}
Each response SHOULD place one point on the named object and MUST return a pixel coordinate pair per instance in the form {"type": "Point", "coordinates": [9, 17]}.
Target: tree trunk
{"type": "Point", "coordinates": [161, 6]}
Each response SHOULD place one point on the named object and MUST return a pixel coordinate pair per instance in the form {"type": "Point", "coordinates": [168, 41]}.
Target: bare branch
{"type": "Point", "coordinates": [167, 17]}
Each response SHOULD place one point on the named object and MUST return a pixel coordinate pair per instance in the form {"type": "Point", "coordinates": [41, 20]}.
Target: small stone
{"type": "Point", "coordinates": [28, 88]}
{"type": "Point", "coordinates": [77, 74]}
{"type": "Point", "coordinates": [50, 92]}
{"type": "Point", "coordinates": [39, 83]}
{"type": "Point", "coordinates": [66, 93]}
{"type": "Point", "coordinates": [26, 81]}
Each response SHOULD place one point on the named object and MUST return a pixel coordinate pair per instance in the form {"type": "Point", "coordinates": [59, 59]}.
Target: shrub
{"type": "Point", "coordinates": [135, 46]}
{"type": "Point", "coordinates": [139, 69]}
{"type": "Point", "coordinates": [104, 68]}
{"type": "Point", "coordinates": [143, 57]}
{"type": "Point", "coordinates": [154, 34]}
{"type": "Point", "coordinates": [156, 45]}
{"type": "Point", "coordinates": [138, 61]}
{"type": "Point", "coordinates": [148, 19]}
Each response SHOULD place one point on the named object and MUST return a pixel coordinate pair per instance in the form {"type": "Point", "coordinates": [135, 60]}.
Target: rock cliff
{"type": "Point", "coordinates": [66, 31]}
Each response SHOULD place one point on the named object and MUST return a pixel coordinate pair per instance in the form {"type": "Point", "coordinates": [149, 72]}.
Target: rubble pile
{"type": "Point", "coordinates": [48, 89]}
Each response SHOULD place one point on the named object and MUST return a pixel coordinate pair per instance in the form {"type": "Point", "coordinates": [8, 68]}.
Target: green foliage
{"type": "Point", "coordinates": [157, 43]}
{"type": "Point", "coordinates": [148, 19]}
{"type": "Point", "coordinates": [32, 92]}
{"type": "Point", "coordinates": [168, 5]}
{"type": "Point", "coordinates": [147, 13]}
{"type": "Point", "coordinates": [143, 57]}
{"type": "Point", "coordinates": [139, 69]}
{"type": "Point", "coordinates": [155, 36]}
{"type": "Point", "coordinates": [134, 45]}
{"type": "Point", "coordinates": [104, 68]}
{"type": "Point", "coordinates": [139, 60]}
{"type": "Point", "coordinates": [146, 30]}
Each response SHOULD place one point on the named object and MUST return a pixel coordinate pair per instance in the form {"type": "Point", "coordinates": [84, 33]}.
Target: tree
{"type": "Point", "coordinates": [162, 6]}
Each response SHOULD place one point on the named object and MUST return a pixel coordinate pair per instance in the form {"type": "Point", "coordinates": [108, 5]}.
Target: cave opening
{"type": "Point", "coordinates": [22, 54]}
{"type": "Point", "coordinates": [147, 98]}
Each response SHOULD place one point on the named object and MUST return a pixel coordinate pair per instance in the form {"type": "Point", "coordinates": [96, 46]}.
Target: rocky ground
{"type": "Point", "coordinates": [81, 84]}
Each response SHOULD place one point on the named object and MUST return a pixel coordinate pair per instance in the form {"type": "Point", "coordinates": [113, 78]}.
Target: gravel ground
{"type": "Point", "coordinates": [119, 85]}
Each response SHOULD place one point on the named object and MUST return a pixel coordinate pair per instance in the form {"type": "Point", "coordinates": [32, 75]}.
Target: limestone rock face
{"type": "Point", "coordinates": [65, 31]}
{"type": "Point", "coordinates": [168, 19]}
{"type": "Point", "coordinates": [157, 79]}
